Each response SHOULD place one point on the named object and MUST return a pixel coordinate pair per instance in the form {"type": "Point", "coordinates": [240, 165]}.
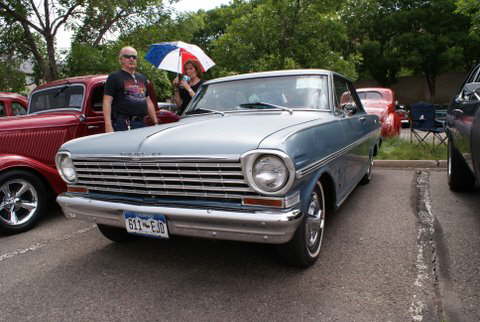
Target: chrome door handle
{"type": "Point", "coordinates": [91, 127]}
{"type": "Point", "coordinates": [363, 119]}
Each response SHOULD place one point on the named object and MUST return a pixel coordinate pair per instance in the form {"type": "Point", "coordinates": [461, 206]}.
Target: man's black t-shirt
{"type": "Point", "coordinates": [129, 93]}
{"type": "Point", "coordinates": [185, 96]}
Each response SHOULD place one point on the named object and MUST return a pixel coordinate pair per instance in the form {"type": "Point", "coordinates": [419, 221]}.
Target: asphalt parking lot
{"type": "Point", "coordinates": [403, 248]}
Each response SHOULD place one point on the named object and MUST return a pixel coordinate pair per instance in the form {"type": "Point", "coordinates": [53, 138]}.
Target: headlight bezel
{"type": "Point", "coordinates": [59, 160]}
{"type": "Point", "coordinates": [249, 160]}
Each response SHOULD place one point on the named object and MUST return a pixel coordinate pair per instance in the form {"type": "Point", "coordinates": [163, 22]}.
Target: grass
{"type": "Point", "coordinates": [398, 149]}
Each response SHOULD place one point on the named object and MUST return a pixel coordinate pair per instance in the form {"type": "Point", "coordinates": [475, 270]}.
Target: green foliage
{"type": "Point", "coordinates": [281, 34]}
{"type": "Point", "coordinates": [471, 8]}
{"type": "Point", "coordinates": [424, 36]}
{"type": "Point", "coordinates": [399, 149]}
{"type": "Point", "coordinates": [12, 80]}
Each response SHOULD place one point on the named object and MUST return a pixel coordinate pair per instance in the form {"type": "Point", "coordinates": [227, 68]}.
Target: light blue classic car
{"type": "Point", "coordinates": [260, 157]}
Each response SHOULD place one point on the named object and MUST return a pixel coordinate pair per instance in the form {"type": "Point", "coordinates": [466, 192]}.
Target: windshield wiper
{"type": "Point", "coordinates": [255, 104]}
{"type": "Point", "coordinates": [204, 110]}
{"type": "Point", "coordinates": [61, 90]}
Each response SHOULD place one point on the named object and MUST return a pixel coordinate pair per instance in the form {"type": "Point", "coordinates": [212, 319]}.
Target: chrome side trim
{"type": "Point", "coordinates": [329, 158]}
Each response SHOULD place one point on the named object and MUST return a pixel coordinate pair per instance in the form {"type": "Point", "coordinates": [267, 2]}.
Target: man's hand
{"type": "Point", "coordinates": [108, 128]}
{"type": "Point", "coordinates": [151, 111]}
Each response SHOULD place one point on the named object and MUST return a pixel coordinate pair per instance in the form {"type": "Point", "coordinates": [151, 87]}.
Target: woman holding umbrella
{"type": "Point", "coordinates": [181, 58]}
{"type": "Point", "coordinates": [186, 88]}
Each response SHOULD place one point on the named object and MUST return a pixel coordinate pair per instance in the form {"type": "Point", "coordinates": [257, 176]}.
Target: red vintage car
{"type": "Point", "coordinates": [12, 104]}
{"type": "Point", "coordinates": [57, 112]}
{"type": "Point", "coordinates": [383, 103]}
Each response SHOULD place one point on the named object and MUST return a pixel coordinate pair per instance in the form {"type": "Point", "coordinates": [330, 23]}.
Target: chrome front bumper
{"type": "Point", "coordinates": [272, 227]}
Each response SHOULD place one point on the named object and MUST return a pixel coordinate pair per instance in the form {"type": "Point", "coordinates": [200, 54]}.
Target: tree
{"type": "Point", "coordinates": [424, 36]}
{"type": "Point", "coordinates": [40, 24]}
{"type": "Point", "coordinates": [371, 29]}
{"type": "Point", "coordinates": [429, 38]}
{"type": "Point", "coordinates": [284, 34]}
{"type": "Point", "coordinates": [471, 8]}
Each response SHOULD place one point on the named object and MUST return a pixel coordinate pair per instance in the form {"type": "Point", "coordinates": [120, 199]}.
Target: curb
{"type": "Point", "coordinates": [442, 164]}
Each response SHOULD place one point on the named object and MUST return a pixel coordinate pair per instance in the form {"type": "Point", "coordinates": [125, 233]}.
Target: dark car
{"type": "Point", "coordinates": [463, 130]}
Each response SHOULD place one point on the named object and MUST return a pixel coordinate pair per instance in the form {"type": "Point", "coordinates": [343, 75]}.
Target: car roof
{"type": "Point", "coordinates": [289, 72]}
{"type": "Point", "coordinates": [12, 95]}
{"type": "Point", "coordinates": [77, 79]}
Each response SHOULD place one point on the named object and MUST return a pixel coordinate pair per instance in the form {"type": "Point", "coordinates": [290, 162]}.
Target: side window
{"type": "Point", "coordinates": [18, 109]}
{"type": "Point", "coordinates": [354, 97]}
{"type": "Point", "coordinates": [343, 93]}
{"type": "Point", "coordinates": [61, 97]}
{"type": "Point", "coordinates": [96, 101]}
{"type": "Point", "coordinates": [2, 109]}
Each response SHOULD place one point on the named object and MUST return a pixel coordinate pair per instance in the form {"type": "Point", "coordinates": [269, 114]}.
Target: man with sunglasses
{"type": "Point", "coordinates": [126, 100]}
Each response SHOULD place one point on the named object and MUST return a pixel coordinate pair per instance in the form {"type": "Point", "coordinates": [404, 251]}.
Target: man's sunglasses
{"type": "Point", "coordinates": [129, 56]}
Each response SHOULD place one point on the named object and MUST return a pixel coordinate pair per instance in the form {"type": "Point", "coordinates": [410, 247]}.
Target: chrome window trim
{"type": "Point", "coordinates": [248, 160]}
{"type": "Point", "coordinates": [58, 109]}
{"type": "Point", "coordinates": [329, 158]}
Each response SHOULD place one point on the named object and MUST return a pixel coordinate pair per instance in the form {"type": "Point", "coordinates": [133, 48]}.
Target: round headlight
{"type": "Point", "coordinates": [270, 173]}
{"type": "Point", "coordinates": [66, 168]}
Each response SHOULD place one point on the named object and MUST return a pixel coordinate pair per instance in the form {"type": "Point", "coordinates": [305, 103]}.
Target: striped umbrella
{"type": "Point", "coordinates": [172, 56]}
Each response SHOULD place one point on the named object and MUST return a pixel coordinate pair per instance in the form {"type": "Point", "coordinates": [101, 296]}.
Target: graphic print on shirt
{"type": "Point", "coordinates": [134, 91]}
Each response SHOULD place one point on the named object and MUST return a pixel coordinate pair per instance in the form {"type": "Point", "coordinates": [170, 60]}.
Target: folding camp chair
{"type": "Point", "coordinates": [424, 127]}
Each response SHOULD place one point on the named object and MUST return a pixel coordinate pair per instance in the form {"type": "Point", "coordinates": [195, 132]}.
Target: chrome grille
{"type": "Point", "coordinates": [186, 179]}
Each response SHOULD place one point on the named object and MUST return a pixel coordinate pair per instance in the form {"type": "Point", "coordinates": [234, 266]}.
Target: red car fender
{"type": "Point", "coordinates": [49, 174]}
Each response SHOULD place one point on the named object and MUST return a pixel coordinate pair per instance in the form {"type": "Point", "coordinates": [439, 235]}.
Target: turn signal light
{"type": "Point", "coordinates": [277, 203]}
{"type": "Point", "coordinates": [77, 189]}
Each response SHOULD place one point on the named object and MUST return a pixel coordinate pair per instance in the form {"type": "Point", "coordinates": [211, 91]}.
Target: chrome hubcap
{"type": "Point", "coordinates": [315, 223]}
{"type": "Point", "coordinates": [370, 167]}
{"type": "Point", "coordinates": [18, 202]}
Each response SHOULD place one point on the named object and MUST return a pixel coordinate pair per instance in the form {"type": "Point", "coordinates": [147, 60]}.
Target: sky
{"type": "Point", "coordinates": [63, 38]}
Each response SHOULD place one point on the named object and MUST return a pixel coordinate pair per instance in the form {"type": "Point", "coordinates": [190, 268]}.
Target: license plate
{"type": "Point", "coordinates": [143, 224]}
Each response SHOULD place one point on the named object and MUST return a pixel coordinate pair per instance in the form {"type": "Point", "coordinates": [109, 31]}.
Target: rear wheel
{"type": "Point", "coordinates": [115, 234]}
{"type": "Point", "coordinates": [460, 177]}
{"type": "Point", "coordinates": [23, 200]}
{"type": "Point", "coordinates": [368, 175]}
{"type": "Point", "coordinates": [304, 248]}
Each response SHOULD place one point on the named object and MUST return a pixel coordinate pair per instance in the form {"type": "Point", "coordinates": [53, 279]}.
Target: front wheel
{"type": "Point", "coordinates": [460, 177]}
{"type": "Point", "coordinates": [304, 248]}
{"type": "Point", "coordinates": [23, 200]}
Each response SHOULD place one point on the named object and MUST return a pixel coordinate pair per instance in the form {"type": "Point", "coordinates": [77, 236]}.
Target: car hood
{"type": "Point", "coordinates": [43, 120]}
{"type": "Point", "coordinates": [228, 135]}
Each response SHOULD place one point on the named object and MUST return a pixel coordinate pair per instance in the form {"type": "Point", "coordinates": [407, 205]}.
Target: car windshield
{"type": "Point", "coordinates": [374, 96]}
{"type": "Point", "coordinates": [284, 92]}
{"type": "Point", "coordinates": [68, 96]}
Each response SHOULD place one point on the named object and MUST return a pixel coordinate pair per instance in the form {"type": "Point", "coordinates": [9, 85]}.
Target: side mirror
{"type": "Point", "coordinates": [349, 109]}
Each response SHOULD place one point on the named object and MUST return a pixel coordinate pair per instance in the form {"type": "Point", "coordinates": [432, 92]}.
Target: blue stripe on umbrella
{"type": "Point", "coordinates": [157, 52]}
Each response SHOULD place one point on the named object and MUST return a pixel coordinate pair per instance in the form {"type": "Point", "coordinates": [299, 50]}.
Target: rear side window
{"type": "Point", "coordinates": [2, 109]}
{"type": "Point", "coordinates": [18, 109]}
{"type": "Point", "coordinates": [97, 99]}
{"type": "Point", "coordinates": [62, 97]}
{"type": "Point", "coordinates": [374, 96]}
